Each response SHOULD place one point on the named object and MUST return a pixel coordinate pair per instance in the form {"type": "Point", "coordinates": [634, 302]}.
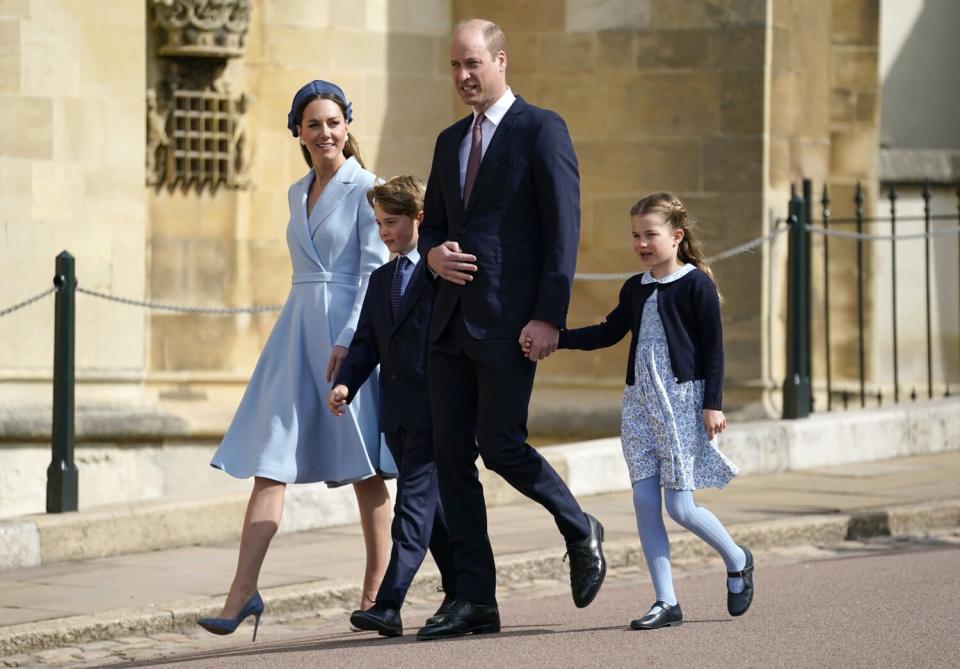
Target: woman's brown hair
{"type": "Point", "coordinates": [673, 211]}
{"type": "Point", "coordinates": [350, 148]}
{"type": "Point", "coordinates": [400, 196]}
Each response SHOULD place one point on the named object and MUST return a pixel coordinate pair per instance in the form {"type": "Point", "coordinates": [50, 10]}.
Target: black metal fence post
{"type": "Point", "coordinates": [62, 477]}
{"type": "Point", "coordinates": [825, 203]}
{"type": "Point", "coordinates": [893, 287]}
{"type": "Point", "coordinates": [927, 194]}
{"type": "Point", "coordinates": [858, 212]}
{"type": "Point", "coordinates": [808, 272]}
{"type": "Point", "coordinates": [796, 387]}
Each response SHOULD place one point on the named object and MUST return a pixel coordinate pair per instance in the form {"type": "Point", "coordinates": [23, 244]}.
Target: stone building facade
{"type": "Point", "coordinates": [724, 102]}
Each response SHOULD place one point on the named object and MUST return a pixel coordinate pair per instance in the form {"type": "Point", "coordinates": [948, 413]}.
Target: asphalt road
{"type": "Point", "coordinates": [882, 604]}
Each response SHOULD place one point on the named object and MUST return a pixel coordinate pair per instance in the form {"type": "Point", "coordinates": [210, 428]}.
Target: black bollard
{"type": "Point", "coordinates": [62, 472]}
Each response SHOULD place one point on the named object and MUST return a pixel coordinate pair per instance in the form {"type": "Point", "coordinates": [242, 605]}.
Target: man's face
{"type": "Point", "coordinates": [479, 78]}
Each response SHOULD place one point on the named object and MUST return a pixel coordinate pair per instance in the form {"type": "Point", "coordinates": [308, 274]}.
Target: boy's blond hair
{"type": "Point", "coordinates": [400, 195]}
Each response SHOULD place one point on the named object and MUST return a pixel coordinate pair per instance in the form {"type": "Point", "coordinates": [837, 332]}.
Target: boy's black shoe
{"type": "Point", "coordinates": [381, 619]}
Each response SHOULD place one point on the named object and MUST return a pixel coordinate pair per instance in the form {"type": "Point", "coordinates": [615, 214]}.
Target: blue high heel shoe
{"type": "Point", "coordinates": [253, 607]}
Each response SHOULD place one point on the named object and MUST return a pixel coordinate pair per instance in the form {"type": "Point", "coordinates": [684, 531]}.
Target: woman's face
{"type": "Point", "coordinates": [323, 131]}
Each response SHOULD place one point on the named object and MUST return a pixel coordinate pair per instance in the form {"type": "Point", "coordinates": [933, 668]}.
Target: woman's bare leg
{"type": "Point", "coordinates": [260, 523]}
{"type": "Point", "coordinates": [374, 503]}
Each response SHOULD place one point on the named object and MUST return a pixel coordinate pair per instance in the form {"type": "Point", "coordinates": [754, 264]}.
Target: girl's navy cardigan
{"type": "Point", "coordinates": [690, 310]}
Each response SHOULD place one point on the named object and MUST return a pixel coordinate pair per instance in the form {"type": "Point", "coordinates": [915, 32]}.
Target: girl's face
{"type": "Point", "coordinates": [400, 233]}
{"type": "Point", "coordinates": [323, 131]}
{"type": "Point", "coordinates": [656, 242]}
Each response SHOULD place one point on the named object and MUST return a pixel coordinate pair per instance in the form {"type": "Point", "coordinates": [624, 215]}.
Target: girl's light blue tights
{"type": "Point", "coordinates": [683, 510]}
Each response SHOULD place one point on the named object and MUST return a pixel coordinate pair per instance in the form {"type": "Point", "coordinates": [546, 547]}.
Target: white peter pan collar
{"type": "Point", "coordinates": [673, 276]}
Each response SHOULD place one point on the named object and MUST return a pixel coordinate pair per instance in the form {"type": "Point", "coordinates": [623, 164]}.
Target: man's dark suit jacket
{"type": "Point", "coordinates": [522, 223]}
{"type": "Point", "coordinates": [398, 345]}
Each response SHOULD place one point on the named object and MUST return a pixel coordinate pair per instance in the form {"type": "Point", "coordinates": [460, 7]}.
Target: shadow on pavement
{"type": "Point", "coordinates": [349, 640]}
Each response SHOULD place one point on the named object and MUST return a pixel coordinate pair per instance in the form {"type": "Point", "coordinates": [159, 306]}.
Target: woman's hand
{"type": "Point", "coordinates": [713, 422]}
{"type": "Point", "coordinates": [337, 356]}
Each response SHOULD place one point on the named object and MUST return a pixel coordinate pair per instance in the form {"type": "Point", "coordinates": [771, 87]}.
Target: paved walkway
{"type": "Point", "coordinates": [159, 579]}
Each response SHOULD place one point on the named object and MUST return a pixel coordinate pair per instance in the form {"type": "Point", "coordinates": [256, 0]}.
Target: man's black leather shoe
{"type": "Point", "coordinates": [739, 602]}
{"type": "Point", "coordinates": [588, 567]}
{"type": "Point", "coordinates": [661, 614]}
{"type": "Point", "coordinates": [442, 611]}
{"type": "Point", "coordinates": [381, 619]}
{"type": "Point", "coordinates": [463, 618]}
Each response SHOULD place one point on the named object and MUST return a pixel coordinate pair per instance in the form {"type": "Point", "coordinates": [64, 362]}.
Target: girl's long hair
{"type": "Point", "coordinates": [673, 211]}
{"type": "Point", "coordinates": [350, 148]}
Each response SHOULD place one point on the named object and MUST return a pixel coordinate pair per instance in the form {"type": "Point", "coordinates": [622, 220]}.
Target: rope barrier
{"type": "Point", "coordinates": [181, 309]}
{"type": "Point", "coordinates": [161, 306]}
{"type": "Point", "coordinates": [720, 257]}
{"type": "Point", "coordinates": [843, 234]}
{"type": "Point", "coordinates": [581, 276]}
{"type": "Point", "coordinates": [28, 301]}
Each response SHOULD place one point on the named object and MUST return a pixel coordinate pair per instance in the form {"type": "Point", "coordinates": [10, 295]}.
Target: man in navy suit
{"type": "Point", "coordinates": [392, 332]}
{"type": "Point", "coordinates": [500, 233]}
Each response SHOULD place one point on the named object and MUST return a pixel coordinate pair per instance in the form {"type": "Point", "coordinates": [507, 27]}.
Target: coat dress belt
{"type": "Point", "coordinates": [326, 277]}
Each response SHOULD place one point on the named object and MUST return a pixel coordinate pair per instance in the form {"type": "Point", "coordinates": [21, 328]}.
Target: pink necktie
{"type": "Point", "coordinates": [476, 154]}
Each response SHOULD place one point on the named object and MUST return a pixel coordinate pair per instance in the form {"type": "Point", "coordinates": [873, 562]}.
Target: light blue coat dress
{"type": "Point", "coordinates": [283, 429]}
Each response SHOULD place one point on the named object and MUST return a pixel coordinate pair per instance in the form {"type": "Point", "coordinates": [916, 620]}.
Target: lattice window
{"type": "Point", "coordinates": [202, 139]}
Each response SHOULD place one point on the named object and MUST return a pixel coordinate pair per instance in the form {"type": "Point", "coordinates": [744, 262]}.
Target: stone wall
{"type": "Point", "coordinates": [228, 247]}
{"type": "Point", "coordinates": [658, 96]}
{"type": "Point", "coordinates": [71, 177]}
{"type": "Point", "coordinates": [725, 102]}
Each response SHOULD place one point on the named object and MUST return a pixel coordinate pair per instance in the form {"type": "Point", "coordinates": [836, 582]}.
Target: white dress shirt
{"type": "Point", "coordinates": [491, 122]}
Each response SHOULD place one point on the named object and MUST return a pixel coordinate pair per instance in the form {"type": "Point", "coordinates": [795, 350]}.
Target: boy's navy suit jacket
{"type": "Point", "coordinates": [398, 345]}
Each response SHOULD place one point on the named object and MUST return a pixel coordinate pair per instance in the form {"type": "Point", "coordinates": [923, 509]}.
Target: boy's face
{"type": "Point", "coordinates": [400, 233]}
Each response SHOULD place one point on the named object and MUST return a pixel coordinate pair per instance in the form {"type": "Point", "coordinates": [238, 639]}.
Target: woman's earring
{"type": "Point", "coordinates": [302, 143]}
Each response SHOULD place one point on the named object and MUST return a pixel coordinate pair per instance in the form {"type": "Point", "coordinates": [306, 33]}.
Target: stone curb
{"type": "Point", "coordinates": [293, 599]}
{"type": "Point", "coordinates": [589, 468]}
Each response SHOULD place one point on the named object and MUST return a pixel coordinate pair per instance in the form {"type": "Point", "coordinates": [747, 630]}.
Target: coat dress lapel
{"type": "Point", "coordinates": [333, 195]}
{"type": "Point", "coordinates": [298, 213]}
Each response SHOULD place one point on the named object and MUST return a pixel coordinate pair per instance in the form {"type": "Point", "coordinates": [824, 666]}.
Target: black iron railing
{"type": "Point", "coordinates": [798, 389]}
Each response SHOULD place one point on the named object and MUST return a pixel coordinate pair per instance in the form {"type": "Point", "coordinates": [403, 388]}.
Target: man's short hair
{"type": "Point", "coordinates": [493, 37]}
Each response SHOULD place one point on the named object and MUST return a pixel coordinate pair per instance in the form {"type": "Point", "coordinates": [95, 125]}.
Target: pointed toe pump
{"type": "Point", "coordinates": [253, 607]}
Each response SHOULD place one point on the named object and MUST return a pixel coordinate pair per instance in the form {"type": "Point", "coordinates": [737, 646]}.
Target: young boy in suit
{"type": "Point", "coordinates": [392, 332]}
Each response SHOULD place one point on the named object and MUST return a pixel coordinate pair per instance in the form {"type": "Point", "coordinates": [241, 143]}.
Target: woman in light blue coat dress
{"type": "Point", "coordinates": [281, 433]}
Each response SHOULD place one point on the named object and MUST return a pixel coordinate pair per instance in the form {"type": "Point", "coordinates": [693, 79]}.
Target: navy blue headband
{"type": "Point", "coordinates": [312, 89]}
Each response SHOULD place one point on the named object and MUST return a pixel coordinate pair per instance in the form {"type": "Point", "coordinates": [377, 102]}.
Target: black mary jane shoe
{"type": "Point", "coordinates": [739, 602]}
{"type": "Point", "coordinates": [660, 615]}
{"type": "Point", "coordinates": [381, 619]}
{"type": "Point", "coordinates": [442, 611]}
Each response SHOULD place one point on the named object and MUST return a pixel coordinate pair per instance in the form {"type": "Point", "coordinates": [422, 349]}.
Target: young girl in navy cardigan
{"type": "Point", "coordinates": [672, 401]}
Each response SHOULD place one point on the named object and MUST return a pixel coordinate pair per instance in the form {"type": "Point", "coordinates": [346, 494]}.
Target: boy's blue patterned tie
{"type": "Point", "coordinates": [397, 283]}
